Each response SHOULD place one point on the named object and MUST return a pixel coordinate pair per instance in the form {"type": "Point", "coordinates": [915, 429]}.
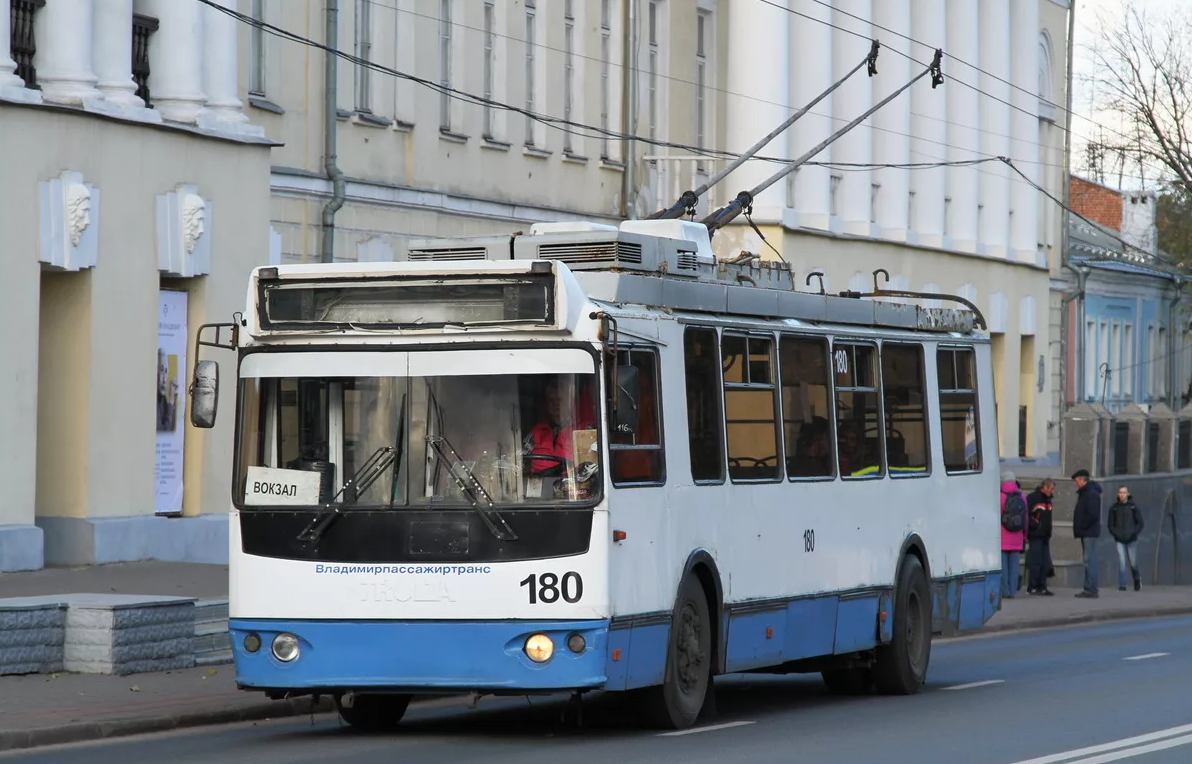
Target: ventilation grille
{"type": "Point", "coordinates": [450, 253]}
{"type": "Point", "coordinates": [687, 261]}
{"type": "Point", "coordinates": [595, 252]}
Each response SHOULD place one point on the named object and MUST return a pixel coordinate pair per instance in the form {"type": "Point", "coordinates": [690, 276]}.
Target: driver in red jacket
{"type": "Point", "coordinates": [554, 433]}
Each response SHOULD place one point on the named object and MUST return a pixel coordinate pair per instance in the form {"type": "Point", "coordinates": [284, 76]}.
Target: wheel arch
{"type": "Point", "coordinates": [913, 545]}
{"type": "Point", "coordinates": [702, 565]}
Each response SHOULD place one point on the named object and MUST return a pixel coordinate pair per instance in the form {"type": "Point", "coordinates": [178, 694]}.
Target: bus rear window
{"type": "Point", "coordinates": [958, 410]}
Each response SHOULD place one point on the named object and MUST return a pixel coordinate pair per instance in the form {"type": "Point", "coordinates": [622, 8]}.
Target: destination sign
{"type": "Point", "coordinates": [271, 487]}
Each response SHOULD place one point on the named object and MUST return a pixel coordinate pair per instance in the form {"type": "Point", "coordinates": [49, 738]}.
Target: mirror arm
{"type": "Point", "coordinates": [607, 321]}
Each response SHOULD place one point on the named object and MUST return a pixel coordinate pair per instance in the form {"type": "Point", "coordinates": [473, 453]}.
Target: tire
{"type": "Point", "coordinates": [374, 713]}
{"type": "Point", "coordinates": [850, 681]}
{"type": "Point", "coordinates": [687, 679]}
{"type": "Point", "coordinates": [901, 666]}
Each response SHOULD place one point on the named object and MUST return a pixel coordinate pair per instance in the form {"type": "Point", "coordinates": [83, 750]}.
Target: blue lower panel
{"type": "Point", "coordinates": [993, 594]}
{"type": "Point", "coordinates": [756, 640]}
{"type": "Point", "coordinates": [972, 605]}
{"type": "Point", "coordinates": [427, 655]}
{"type": "Point", "coordinates": [810, 628]}
{"type": "Point", "coordinates": [647, 655]}
{"type": "Point", "coordinates": [856, 624]}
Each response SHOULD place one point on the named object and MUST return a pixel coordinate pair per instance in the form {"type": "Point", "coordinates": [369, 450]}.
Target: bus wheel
{"type": "Point", "coordinates": [688, 673]}
{"type": "Point", "coordinates": [901, 666]}
{"type": "Point", "coordinates": [849, 681]}
{"type": "Point", "coordinates": [373, 713]}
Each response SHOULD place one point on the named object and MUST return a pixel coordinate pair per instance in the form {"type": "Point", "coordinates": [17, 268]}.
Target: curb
{"type": "Point", "coordinates": [1085, 618]}
{"type": "Point", "coordinates": [115, 728]}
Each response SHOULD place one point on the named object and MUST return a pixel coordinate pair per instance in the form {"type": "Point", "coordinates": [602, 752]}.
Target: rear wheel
{"type": "Point", "coordinates": [901, 667]}
{"type": "Point", "coordinates": [373, 713]}
{"type": "Point", "coordinates": [677, 703]}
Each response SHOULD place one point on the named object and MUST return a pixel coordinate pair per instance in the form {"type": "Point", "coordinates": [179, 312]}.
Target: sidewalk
{"type": "Point", "coordinates": [44, 709]}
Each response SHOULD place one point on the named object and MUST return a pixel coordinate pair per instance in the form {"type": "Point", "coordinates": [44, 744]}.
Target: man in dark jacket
{"type": "Point", "coordinates": [1125, 525]}
{"type": "Point", "coordinates": [1086, 526]}
{"type": "Point", "coordinates": [1038, 554]}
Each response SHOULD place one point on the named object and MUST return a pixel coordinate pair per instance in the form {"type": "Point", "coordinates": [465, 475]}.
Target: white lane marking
{"type": "Point", "coordinates": [712, 728]}
{"type": "Point", "coordinates": [1074, 757]}
{"type": "Point", "coordinates": [1130, 753]}
{"type": "Point", "coordinates": [971, 685]}
{"type": "Point", "coordinates": [1144, 657]}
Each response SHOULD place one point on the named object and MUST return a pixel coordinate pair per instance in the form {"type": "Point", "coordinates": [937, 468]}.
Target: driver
{"type": "Point", "coordinates": [553, 435]}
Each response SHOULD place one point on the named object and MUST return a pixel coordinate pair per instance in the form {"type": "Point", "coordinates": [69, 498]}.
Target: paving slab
{"type": "Point", "coordinates": [1065, 608]}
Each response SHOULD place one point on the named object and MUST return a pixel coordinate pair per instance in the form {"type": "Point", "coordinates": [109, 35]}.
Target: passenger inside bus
{"type": "Point", "coordinates": [813, 457]}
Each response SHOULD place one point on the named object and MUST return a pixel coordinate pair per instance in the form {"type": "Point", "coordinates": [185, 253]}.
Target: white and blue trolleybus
{"type": "Point", "coordinates": [597, 457]}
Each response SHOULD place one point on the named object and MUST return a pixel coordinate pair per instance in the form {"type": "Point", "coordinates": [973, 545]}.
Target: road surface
{"type": "Point", "coordinates": [1083, 695]}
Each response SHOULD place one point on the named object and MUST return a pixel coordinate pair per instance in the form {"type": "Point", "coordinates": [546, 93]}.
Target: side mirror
{"type": "Point", "coordinates": [628, 393]}
{"type": "Point", "coordinates": [204, 394]}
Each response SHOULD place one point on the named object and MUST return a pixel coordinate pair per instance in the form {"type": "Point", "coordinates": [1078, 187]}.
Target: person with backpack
{"type": "Point", "coordinates": [1014, 532]}
{"type": "Point", "coordinates": [1125, 525]}
{"type": "Point", "coordinates": [1038, 554]}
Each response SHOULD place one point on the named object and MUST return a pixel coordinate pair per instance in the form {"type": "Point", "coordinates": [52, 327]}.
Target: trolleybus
{"type": "Point", "coordinates": [598, 458]}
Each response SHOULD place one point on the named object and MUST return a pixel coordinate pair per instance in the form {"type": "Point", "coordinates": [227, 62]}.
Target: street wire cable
{"type": "Point", "coordinates": [561, 124]}
{"type": "Point", "coordinates": [688, 199]}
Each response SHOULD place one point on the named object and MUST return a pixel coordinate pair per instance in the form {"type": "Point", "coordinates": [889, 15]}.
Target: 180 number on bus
{"type": "Point", "coordinates": [547, 587]}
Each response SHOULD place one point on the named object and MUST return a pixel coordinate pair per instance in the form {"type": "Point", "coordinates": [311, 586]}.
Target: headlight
{"type": "Point", "coordinates": [285, 647]}
{"type": "Point", "coordinates": [539, 648]}
{"type": "Point", "coordinates": [252, 643]}
{"type": "Point", "coordinates": [576, 643]}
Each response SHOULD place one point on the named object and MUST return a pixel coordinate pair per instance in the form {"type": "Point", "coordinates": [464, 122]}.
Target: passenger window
{"type": "Point", "coordinates": [806, 407]}
{"type": "Point", "coordinates": [635, 447]}
{"type": "Point", "coordinates": [958, 410]}
{"type": "Point", "coordinates": [750, 407]}
{"type": "Point", "coordinates": [858, 423]}
{"type": "Point", "coordinates": [705, 426]}
{"type": "Point", "coordinates": [904, 398]}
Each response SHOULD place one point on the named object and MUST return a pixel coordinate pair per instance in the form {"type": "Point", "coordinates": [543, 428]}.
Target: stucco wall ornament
{"type": "Point", "coordinates": [68, 222]}
{"type": "Point", "coordinates": [184, 225]}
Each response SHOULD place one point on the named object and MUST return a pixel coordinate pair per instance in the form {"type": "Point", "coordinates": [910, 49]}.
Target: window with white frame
{"type": "Point", "coordinates": [445, 63]}
{"type": "Point", "coordinates": [1115, 359]}
{"type": "Point", "coordinates": [568, 69]}
{"type": "Point", "coordinates": [703, 28]}
{"type": "Point", "coordinates": [1090, 359]}
{"type": "Point", "coordinates": [653, 64]}
{"type": "Point", "coordinates": [1161, 351]}
{"type": "Point", "coordinates": [489, 65]}
{"type": "Point", "coordinates": [1152, 358]}
{"type": "Point", "coordinates": [1102, 356]}
{"type": "Point", "coordinates": [256, 56]}
{"type": "Point", "coordinates": [606, 55]}
{"type": "Point", "coordinates": [364, 53]}
{"type": "Point", "coordinates": [1128, 368]}
{"type": "Point", "coordinates": [531, 25]}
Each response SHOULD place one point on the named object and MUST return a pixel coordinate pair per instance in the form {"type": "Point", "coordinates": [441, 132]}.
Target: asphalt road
{"type": "Point", "coordinates": [1086, 695]}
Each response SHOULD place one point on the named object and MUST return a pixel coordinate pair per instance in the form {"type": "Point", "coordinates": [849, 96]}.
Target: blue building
{"type": "Point", "coordinates": [1129, 322]}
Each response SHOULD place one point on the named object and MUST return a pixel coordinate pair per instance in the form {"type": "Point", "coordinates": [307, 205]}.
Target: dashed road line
{"type": "Point", "coordinates": [711, 728]}
{"type": "Point", "coordinates": [1145, 657]}
{"type": "Point", "coordinates": [971, 685]}
{"type": "Point", "coordinates": [1120, 749]}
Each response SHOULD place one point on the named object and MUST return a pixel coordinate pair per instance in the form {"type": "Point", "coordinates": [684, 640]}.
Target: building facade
{"type": "Point", "coordinates": [134, 199]}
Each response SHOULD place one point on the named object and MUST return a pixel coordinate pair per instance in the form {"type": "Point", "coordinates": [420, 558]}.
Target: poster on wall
{"type": "Point", "coordinates": [171, 401]}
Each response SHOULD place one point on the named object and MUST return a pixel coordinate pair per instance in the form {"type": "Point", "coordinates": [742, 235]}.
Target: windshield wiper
{"type": "Point", "coordinates": [480, 498]}
{"type": "Point", "coordinates": [361, 480]}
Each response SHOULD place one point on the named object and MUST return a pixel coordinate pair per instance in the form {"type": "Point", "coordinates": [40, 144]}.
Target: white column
{"type": "Point", "coordinates": [892, 142]}
{"type": "Point", "coordinates": [812, 184]}
{"type": "Point", "coordinates": [176, 58]}
{"type": "Point", "coordinates": [848, 103]}
{"type": "Point", "coordinates": [63, 60]}
{"type": "Point", "coordinates": [963, 139]}
{"type": "Point", "coordinates": [929, 126]}
{"type": "Point", "coordinates": [112, 40]}
{"type": "Point", "coordinates": [8, 67]}
{"type": "Point", "coordinates": [758, 64]}
{"type": "Point", "coordinates": [995, 126]}
{"type": "Point", "coordinates": [1024, 146]}
{"type": "Point", "coordinates": [221, 80]}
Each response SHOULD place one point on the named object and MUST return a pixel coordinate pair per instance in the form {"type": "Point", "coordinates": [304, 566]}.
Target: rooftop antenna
{"type": "Point", "coordinates": [687, 200]}
{"type": "Point", "coordinates": [744, 200]}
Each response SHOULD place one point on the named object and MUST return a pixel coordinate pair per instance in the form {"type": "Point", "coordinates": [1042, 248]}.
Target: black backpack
{"type": "Point", "coordinates": [1014, 513]}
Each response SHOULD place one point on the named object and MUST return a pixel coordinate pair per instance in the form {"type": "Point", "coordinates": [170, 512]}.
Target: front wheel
{"type": "Point", "coordinates": [373, 713]}
{"type": "Point", "coordinates": [901, 666]}
{"type": "Point", "coordinates": [677, 703]}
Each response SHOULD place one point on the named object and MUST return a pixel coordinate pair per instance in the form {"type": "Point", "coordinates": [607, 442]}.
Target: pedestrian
{"type": "Point", "coordinates": [1125, 525]}
{"type": "Point", "coordinates": [1038, 554]}
{"type": "Point", "coordinates": [1014, 524]}
{"type": "Point", "coordinates": [1086, 526]}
